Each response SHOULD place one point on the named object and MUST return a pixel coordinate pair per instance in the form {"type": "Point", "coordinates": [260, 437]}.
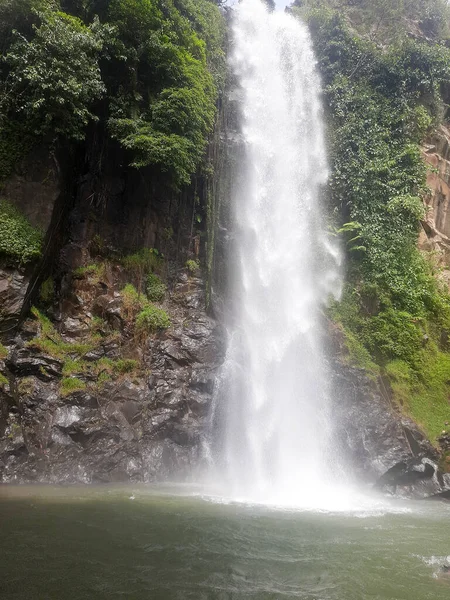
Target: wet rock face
{"type": "Point", "coordinates": [13, 290]}
{"type": "Point", "coordinates": [380, 446]}
{"type": "Point", "coordinates": [142, 428]}
{"type": "Point", "coordinates": [435, 231]}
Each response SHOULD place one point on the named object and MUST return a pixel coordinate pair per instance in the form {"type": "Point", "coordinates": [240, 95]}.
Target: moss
{"type": "Point", "coordinates": [60, 349]}
{"type": "Point", "coordinates": [143, 261]}
{"type": "Point", "coordinates": [152, 319]}
{"type": "Point", "coordinates": [74, 366]}
{"type": "Point", "coordinates": [25, 386]}
{"type": "Point", "coordinates": [71, 354]}
{"type": "Point", "coordinates": [20, 242]}
{"type": "Point", "coordinates": [155, 288]}
{"type": "Point", "coordinates": [424, 395]}
{"type": "Point", "coordinates": [3, 380]}
{"type": "Point", "coordinates": [3, 352]}
{"type": "Point", "coordinates": [103, 378]}
{"type": "Point", "coordinates": [98, 325]}
{"type": "Point", "coordinates": [359, 356]}
{"type": "Point", "coordinates": [192, 266]}
{"type": "Point", "coordinates": [69, 385]}
{"type": "Point", "coordinates": [132, 301]}
{"type": "Point", "coordinates": [125, 365]}
{"type": "Point", "coordinates": [95, 272]}
{"type": "Point", "coordinates": [16, 140]}
{"type": "Point", "coordinates": [50, 342]}
{"type": "Point", "coordinates": [444, 462]}
{"type": "Point", "coordinates": [47, 291]}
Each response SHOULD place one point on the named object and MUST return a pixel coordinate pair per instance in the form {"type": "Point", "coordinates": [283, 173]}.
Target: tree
{"type": "Point", "coordinates": [54, 78]}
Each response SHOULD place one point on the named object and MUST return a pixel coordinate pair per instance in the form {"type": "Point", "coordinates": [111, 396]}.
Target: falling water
{"type": "Point", "coordinates": [272, 399]}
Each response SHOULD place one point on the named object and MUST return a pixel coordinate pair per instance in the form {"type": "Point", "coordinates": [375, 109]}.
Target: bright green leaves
{"type": "Point", "coordinates": [168, 110]}
{"type": "Point", "coordinates": [55, 77]}
{"type": "Point", "coordinates": [20, 243]}
{"type": "Point", "coordinates": [149, 68]}
{"type": "Point", "coordinates": [383, 95]}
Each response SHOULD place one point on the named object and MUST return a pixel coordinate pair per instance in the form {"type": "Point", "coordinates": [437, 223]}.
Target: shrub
{"type": "Point", "coordinates": [55, 76]}
{"type": "Point", "coordinates": [125, 365]}
{"type": "Point", "coordinates": [152, 319]}
{"type": "Point", "coordinates": [145, 259]}
{"type": "Point", "coordinates": [20, 242]}
{"type": "Point", "coordinates": [73, 366]}
{"type": "Point", "coordinates": [155, 288]}
{"type": "Point", "coordinates": [47, 291]}
{"type": "Point", "coordinates": [95, 272]}
{"type": "Point", "coordinates": [192, 266]}
{"type": "Point", "coordinates": [132, 301]}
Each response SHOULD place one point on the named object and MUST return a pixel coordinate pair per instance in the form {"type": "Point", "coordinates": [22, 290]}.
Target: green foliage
{"type": "Point", "coordinates": [155, 288]}
{"type": "Point", "coordinates": [125, 365]}
{"type": "Point", "coordinates": [393, 333]}
{"type": "Point", "coordinates": [78, 373]}
{"type": "Point", "coordinates": [54, 77]}
{"type": "Point", "coordinates": [47, 291]}
{"type": "Point", "coordinates": [69, 385]}
{"type": "Point", "coordinates": [149, 69]}
{"type": "Point", "coordinates": [147, 317]}
{"type": "Point", "coordinates": [3, 380]}
{"type": "Point", "coordinates": [358, 355]}
{"type": "Point", "coordinates": [152, 319]}
{"type": "Point", "coordinates": [143, 261]}
{"type": "Point", "coordinates": [20, 243]}
{"type": "Point", "coordinates": [50, 341]}
{"type": "Point", "coordinates": [132, 301]}
{"type": "Point", "coordinates": [98, 325]}
{"type": "Point", "coordinates": [73, 366]}
{"type": "Point", "coordinates": [165, 115]}
{"type": "Point", "coordinates": [15, 141]}
{"type": "Point", "coordinates": [424, 395]}
{"type": "Point", "coordinates": [95, 272]}
{"type": "Point", "coordinates": [384, 90]}
{"type": "Point", "coordinates": [192, 266]}
{"type": "Point", "coordinates": [385, 22]}
{"type": "Point", "coordinates": [3, 352]}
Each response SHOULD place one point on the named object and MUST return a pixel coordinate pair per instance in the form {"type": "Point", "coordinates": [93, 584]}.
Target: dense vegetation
{"type": "Point", "coordinates": [149, 70]}
{"type": "Point", "coordinates": [385, 65]}
{"type": "Point", "coordinates": [20, 243]}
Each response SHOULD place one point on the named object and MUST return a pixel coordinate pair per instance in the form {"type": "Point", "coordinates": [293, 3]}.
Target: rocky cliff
{"type": "Point", "coordinates": [110, 376]}
{"type": "Point", "coordinates": [85, 396]}
{"type": "Point", "coordinates": [435, 232]}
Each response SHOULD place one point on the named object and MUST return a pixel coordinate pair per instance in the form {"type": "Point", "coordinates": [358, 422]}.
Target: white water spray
{"type": "Point", "coordinates": [272, 401]}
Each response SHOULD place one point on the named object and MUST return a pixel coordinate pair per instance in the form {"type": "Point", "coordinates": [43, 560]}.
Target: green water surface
{"type": "Point", "coordinates": [100, 543]}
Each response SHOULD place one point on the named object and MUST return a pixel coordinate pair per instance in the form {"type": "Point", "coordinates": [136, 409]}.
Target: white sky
{"type": "Point", "coordinates": [279, 3]}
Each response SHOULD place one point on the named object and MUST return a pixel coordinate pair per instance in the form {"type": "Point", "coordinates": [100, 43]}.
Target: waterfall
{"type": "Point", "coordinates": [271, 423]}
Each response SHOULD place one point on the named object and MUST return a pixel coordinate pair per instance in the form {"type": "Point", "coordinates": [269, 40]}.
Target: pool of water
{"type": "Point", "coordinates": [166, 543]}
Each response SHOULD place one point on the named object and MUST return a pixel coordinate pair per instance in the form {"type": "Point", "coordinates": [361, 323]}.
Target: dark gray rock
{"type": "Point", "coordinates": [130, 429]}
{"type": "Point", "coordinates": [13, 289]}
{"type": "Point", "coordinates": [24, 362]}
{"type": "Point", "coordinates": [376, 443]}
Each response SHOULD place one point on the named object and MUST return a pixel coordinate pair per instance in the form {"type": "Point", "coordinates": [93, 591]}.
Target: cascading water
{"type": "Point", "coordinates": [270, 415]}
